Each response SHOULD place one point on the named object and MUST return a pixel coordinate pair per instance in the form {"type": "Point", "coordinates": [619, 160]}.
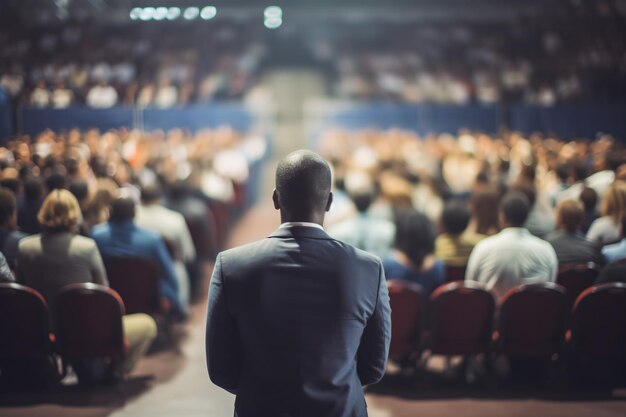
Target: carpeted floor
{"type": "Point", "coordinates": [175, 383]}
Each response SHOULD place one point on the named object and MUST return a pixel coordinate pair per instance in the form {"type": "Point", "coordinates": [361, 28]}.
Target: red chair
{"type": "Point", "coordinates": [462, 317]}
{"type": "Point", "coordinates": [88, 324]}
{"type": "Point", "coordinates": [597, 339]}
{"type": "Point", "coordinates": [576, 278]}
{"type": "Point", "coordinates": [455, 273]}
{"type": "Point", "coordinates": [137, 282]}
{"type": "Point", "coordinates": [26, 348]}
{"type": "Point", "coordinates": [531, 320]}
{"type": "Point", "coordinates": [406, 314]}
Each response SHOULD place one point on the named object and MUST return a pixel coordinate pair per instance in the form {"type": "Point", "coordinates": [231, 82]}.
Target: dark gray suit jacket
{"type": "Point", "coordinates": [297, 324]}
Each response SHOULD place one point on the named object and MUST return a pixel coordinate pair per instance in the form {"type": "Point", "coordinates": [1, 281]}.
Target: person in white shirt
{"type": "Point", "coordinates": [154, 216]}
{"type": "Point", "coordinates": [40, 97]}
{"type": "Point", "coordinates": [166, 94]}
{"type": "Point", "coordinates": [62, 97]}
{"type": "Point", "coordinates": [102, 96]}
{"type": "Point", "coordinates": [513, 256]}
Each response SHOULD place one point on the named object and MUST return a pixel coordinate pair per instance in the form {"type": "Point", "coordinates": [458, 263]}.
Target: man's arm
{"type": "Point", "coordinates": [374, 347]}
{"type": "Point", "coordinates": [223, 344]}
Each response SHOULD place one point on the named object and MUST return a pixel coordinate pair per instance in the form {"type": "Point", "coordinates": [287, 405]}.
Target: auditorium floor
{"type": "Point", "coordinates": [175, 383]}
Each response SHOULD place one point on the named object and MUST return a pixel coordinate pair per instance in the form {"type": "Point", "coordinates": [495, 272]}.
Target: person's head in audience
{"type": "Point", "coordinates": [60, 212]}
{"type": "Point", "coordinates": [55, 181]}
{"type": "Point", "coordinates": [122, 210]}
{"type": "Point", "coordinates": [589, 198]}
{"type": "Point", "coordinates": [12, 184]}
{"type": "Point", "coordinates": [455, 218]}
{"type": "Point", "coordinates": [80, 190]}
{"type": "Point", "coordinates": [562, 173]}
{"type": "Point", "coordinates": [578, 172]}
{"type": "Point", "coordinates": [614, 201]}
{"type": "Point", "coordinates": [570, 215]}
{"type": "Point", "coordinates": [151, 194]}
{"type": "Point", "coordinates": [415, 236]}
{"type": "Point", "coordinates": [483, 205]}
{"type": "Point", "coordinates": [303, 182]}
{"type": "Point", "coordinates": [514, 209]}
{"type": "Point", "coordinates": [528, 190]}
{"type": "Point", "coordinates": [179, 190]}
{"type": "Point", "coordinates": [33, 189]}
{"type": "Point", "coordinates": [8, 215]}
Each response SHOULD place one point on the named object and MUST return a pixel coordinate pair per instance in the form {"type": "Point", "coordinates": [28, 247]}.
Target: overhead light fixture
{"type": "Point", "coordinates": [147, 13]}
{"type": "Point", "coordinates": [173, 13]}
{"type": "Point", "coordinates": [208, 12]}
{"type": "Point", "coordinates": [135, 13]}
{"type": "Point", "coordinates": [191, 13]}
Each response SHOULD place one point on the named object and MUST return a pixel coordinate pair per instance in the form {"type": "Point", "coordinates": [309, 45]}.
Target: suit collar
{"type": "Point", "coordinates": [300, 232]}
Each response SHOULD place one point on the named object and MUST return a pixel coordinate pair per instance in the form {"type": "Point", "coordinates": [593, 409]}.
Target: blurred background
{"type": "Point", "coordinates": [416, 104]}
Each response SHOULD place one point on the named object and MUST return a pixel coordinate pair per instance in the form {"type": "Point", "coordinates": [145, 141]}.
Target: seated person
{"type": "Point", "coordinates": [121, 238]}
{"type": "Point", "coordinates": [365, 231]}
{"type": "Point", "coordinates": [616, 251]}
{"type": "Point", "coordinates": [413, 259]}
{"type": "Point", "coordinates": [58, 257]}
{"type": "Point", "coordinates": [454, 245]}
{"type": "Point", "coordinates": [513, 256]}
{"type": "Point", "coordinates": [568, 242]}
{"type": "Point", "coordinates": [9, 235]}
{"type": "Point", "coordinates": [589, 198]}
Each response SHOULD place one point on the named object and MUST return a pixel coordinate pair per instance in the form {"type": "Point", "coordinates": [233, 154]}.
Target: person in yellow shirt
{"type": "Point", "coordinates": [454, 245]}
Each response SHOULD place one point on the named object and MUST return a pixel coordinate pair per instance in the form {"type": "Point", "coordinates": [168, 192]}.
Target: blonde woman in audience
{"type": "Point", "coordinates": [606, 229]}
{"type": "Point", "coordinates": [58, 257]}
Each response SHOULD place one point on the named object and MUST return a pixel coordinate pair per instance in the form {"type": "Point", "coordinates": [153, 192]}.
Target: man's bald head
{"type": "Point", "coordinates": [303, 182]}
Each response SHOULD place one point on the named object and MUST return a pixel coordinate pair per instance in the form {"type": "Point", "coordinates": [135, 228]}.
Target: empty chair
{"type": "Point", "coordinates": [88, 325]}
{"type": "Point", "coordinates": [137, 282]}
{"type": "Point", "coordinates": [455, 273]}
{"type": "Point", "coordinates": [406, 315]}
{"type": "Point", "coordinates": [597, 342]}
{"type": "Point", "coordinates": [26, 349]}
{"type": "Point", "coordinates": [462, 316]}
{"type": "Point", "coordinates": [576, 278]}
{"type": "Point", "coordinates": [531, 320]}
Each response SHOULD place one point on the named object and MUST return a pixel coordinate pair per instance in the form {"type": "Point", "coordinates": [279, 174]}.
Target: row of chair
{"type": "Point", "coordinates": [574, 277]}
{"type": "Point", "coordinates": [531, 320]}
{"type": "Point", "coordinates": [85, 323]}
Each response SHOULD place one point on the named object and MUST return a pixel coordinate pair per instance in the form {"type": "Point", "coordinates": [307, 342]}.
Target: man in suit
{"type": "Point", "coordinates": [298, 322]}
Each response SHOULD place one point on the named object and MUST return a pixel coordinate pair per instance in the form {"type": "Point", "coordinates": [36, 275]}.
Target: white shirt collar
{"type": "Point", "coordinates": [302, 224]}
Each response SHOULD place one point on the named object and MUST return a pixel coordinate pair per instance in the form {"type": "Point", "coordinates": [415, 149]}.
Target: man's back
{"type": "Point", "coordinates": [574, 248]}
{"type": "Point", "coordinates": [297, 324]}
{"type": "Point", "coordinates": [510, 258]}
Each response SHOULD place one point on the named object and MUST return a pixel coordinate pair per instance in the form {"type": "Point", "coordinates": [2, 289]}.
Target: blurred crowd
{"type": "Point", "coordinates": [424, 203]}
{"type": "Point", "coordinates": [578, 55]}
{"type": "Point", "coordinates": [106, 66]}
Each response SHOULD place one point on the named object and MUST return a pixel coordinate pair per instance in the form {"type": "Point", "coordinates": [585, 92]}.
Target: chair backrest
{"type": "Point", "coordinates": [137, 282]}
{"type": "Point", "coordinates": [24, 323]}
{"type": "Point", "coordinates": [462, 318]}
{"type": "Point", "coordinates": [598, 328]}
{"type": "Point", "coordinates": [455, 273]}
{"type": "Point", "coordinates": [531, 320]}
{"type": "Point", "coordinates": [576, 278]}
{"type": "Point", "coordinates": [406, 315]}
{"type": "Point", "coordinates": [88, 321]}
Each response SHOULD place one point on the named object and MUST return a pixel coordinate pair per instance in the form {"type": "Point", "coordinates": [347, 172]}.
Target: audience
{"type": "Point", "coordinates": [513, 256]}
{"type": "Point", "coordinates": [568, 242]}
{"type": "Point", "coordinates": [29, 204]}
{"type": "Point", "coordinates": [5, 272]}
{"type": "Point", "coordinates": [58, 257]}
{"type": "Point", "coordinates": [589, 198]}
{"type": "Point", "coordinates": [120, 237]}
{"type": "Point", "coordinates": [454, 244]}
{"type": "Point", "coordinates": [413, 259]}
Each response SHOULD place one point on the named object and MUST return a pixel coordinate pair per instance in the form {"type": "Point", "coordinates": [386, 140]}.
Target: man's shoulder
{"type": "Point", "coordinates": [261, 249]}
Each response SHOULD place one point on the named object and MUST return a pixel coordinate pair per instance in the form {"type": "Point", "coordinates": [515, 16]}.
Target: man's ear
{"type": "Point", "coordinates": [330, 201]}
{"type": "Point", "coordinates": [275, 200]}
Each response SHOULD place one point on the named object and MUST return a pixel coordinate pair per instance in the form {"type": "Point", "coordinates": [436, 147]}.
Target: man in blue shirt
{"type": "Point", "coordinates": [121, 238]}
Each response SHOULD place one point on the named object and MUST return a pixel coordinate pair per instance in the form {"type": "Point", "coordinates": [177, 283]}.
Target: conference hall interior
{"type": "Point", "coordinates": [477, 149]}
